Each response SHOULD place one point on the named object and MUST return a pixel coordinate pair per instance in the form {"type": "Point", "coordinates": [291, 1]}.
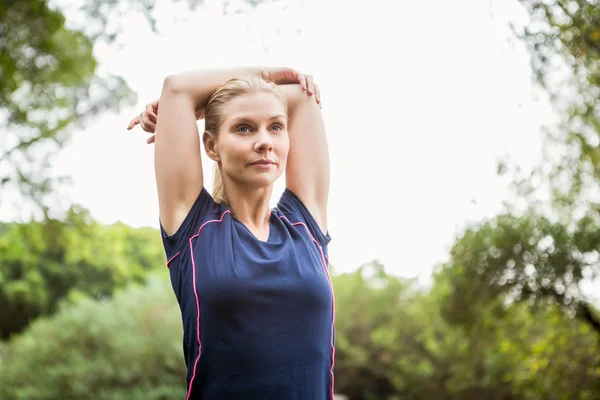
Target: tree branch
{"type": "Point", "coordinates": [587, 314]}
{"type": "Point", "coordinates": [22, 145]}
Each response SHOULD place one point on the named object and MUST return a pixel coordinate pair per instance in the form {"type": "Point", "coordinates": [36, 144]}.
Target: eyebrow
{"type": "Point", "coordinates": [236, 120]}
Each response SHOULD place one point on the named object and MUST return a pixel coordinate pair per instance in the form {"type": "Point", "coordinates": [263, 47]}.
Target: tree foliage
{"type": "Point", "coordinates": [49, 83]}
{"type": "Point", "coordinates": [106, 16]}
{"type": "Point", "coordinates": [527, 258]}
{"type": "Point", "coordinates": [125, 348]}
{"type": "Point", "coordinates": [45, 262]}
{"type": "Point", "coordinates": [395, 340]}
{"type": "Point", "coordinates": [563, 39]}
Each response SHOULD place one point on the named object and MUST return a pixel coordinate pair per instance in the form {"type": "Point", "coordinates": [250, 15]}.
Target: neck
{"type": "Point", "coordinates": [250, 205]}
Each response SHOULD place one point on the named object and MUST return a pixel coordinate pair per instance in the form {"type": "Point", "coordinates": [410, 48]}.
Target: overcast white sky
{"type": "Point", "coordinates": [419, 99]}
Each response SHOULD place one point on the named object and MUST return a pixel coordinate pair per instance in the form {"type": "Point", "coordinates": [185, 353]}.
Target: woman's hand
{"type": "Point", "coordinates": [286, 76]}
{"type": "Point", "coordinates": [146, 120]}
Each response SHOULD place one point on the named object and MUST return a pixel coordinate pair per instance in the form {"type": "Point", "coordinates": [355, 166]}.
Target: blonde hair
{"type": "Point", "coordinates": [213, 115]}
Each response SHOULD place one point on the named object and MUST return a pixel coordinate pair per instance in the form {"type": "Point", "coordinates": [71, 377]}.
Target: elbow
{"type": "Point", "coordinates": [305, 105]}
{"type": "Point", "coordinates": [298, 99]}
{"type": "Point", "coordinates": [173, 84]}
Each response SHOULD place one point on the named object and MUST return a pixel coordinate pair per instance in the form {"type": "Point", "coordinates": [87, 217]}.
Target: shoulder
{"type": "Point", "coordinates": [291, 209]}
{"type": "Point", "coordinates": [204, 210]}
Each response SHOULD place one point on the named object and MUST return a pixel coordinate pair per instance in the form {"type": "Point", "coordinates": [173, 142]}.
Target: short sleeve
{"type": "Point", "coordinates": [203, 207]}
{"type": "Point", "coordinates": [292, 207]}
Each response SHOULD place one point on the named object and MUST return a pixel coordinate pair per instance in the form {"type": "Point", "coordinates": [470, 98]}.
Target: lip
{"type": "Point", "coordinates": [263, 162]}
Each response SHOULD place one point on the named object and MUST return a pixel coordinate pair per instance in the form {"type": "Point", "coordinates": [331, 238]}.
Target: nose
{"type": "Point", "coordinates": [264, 141]}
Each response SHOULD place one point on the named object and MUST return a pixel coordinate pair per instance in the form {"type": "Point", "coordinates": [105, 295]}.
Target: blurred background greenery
{"type": "Point", "coordinates": [87, 312]}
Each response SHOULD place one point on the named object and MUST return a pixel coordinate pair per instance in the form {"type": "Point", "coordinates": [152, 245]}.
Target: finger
{"type": "Point", "coordinates": [302, 81]}
{"type": "Point", "coordinates": [294, 76]}
{"type": "Point", "coordinates": [149, 127]}
{"type": "Point", "coordinates": [317, 94]}
{"type": "Point", "coordinates": [150, 113]}
{"type": "Point", "coordinates": [310, 85]}
{"type": "Point", "coordinates": [150, 140]}
{"type": "Point", "coordinates": [145, 123]}
{"type": "Point", "coordinates": [133, 123]}
{"type": "Point", "coordinates": [307, 85]}
{"type": "Point", "coordinates": [155, 106]}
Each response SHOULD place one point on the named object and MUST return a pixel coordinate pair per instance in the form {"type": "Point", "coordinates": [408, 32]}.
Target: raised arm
{"type": "Point", "coordinates": [177, 159]}
{"type": "Point", "coordinates": [307, 171]}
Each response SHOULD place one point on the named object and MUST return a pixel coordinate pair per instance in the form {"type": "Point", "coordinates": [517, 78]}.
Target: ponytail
{"type": "Point", "coordinates": [218, 192]}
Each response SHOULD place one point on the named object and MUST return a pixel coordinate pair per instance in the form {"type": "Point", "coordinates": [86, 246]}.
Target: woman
{"type": "Point", "coordinates": [252, 283]}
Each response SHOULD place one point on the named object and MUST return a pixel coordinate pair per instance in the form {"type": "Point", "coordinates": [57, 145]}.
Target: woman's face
{"type": "Point", "coordinates": [253, 144]}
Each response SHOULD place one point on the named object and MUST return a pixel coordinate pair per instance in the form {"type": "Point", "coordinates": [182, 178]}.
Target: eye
{"type": "Point", "coordinates": [243, 129]}
{"type": "Point", "coordinates": [277, 127]}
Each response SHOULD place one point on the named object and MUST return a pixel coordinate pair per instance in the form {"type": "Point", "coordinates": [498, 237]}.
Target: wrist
{"type": "Point", "coordinates": [264, 73]}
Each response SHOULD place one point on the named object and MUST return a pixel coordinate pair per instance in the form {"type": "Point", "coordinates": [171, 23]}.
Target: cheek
{"type": "Point", "coordinates": [241, 148]}
{"type": "Point", "coordinates": [234, 149]}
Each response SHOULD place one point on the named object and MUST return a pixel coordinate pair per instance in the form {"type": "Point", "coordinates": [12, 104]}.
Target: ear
{"type": "Point", "coordinates": [210, 145]}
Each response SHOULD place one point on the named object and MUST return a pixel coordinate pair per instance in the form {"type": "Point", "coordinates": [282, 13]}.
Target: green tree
{"type": "Point", "coordinates": [527, 258]}
{"type": "Point", "coordinates": [48, 84]}
{"type": "Point", "coordinates": [46, 262]}
{"type": "Point", "coordinates": [125, 348]}
{"type": "Point", "coordinates": [368, 301]}
{"type": "Point", "coordinates": [393, 342]}
{"type": "Point", "coordinates": [555, 254]}
{"type": "Point", "coordinates": [515, 349]}
{"type": "Point", "coordinates": [563, 39]}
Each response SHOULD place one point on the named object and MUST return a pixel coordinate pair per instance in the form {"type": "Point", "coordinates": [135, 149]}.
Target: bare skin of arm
{"type": "Point", "coordinates": [177, 159]}
{"type": "Point", "coordinates": [307, 172]}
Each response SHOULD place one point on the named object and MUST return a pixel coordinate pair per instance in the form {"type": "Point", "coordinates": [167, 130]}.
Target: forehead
{"type": "Point", "coordinates": [254, 106]}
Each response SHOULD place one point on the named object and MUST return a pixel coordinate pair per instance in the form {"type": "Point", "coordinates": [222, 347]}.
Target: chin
{"type": "Point", "coordinates": [264, 180]}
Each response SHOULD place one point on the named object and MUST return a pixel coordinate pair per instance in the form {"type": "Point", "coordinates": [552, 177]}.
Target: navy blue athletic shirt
{"type": "Point", "coordinates": [258, 317]}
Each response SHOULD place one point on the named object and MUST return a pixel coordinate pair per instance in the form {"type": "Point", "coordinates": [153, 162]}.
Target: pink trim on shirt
{"type": "Point", "coordinates": [332, 295]}
{"type": "Point", "coordinates": [171, 259]}
{"type": "Point", "coordinates": [198, 301]}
